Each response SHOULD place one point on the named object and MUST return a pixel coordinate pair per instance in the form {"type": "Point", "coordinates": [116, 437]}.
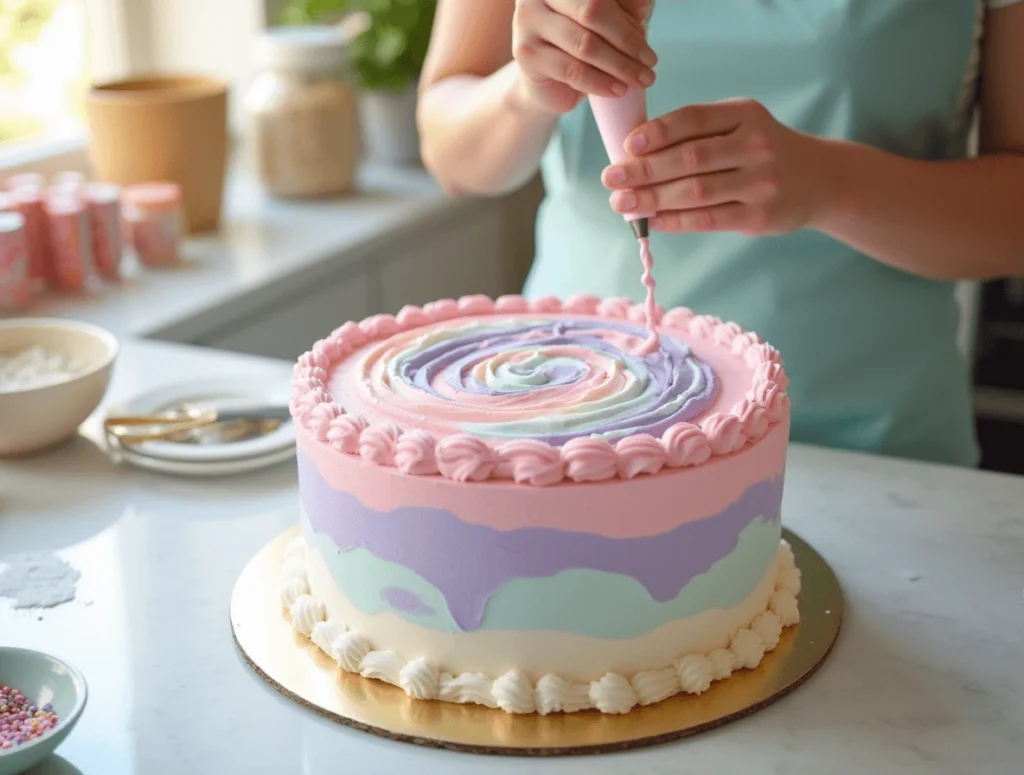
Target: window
{"type": "Point", "coordinates": [51, 50]}
{"type": "Point", "coordinates": [43, 69]}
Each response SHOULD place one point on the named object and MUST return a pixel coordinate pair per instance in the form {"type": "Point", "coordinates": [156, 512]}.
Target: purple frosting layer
{"type": "Point", "coordinates": [406, 601]}
{"type": "Point", "coordinates": [670, 372]}
{"type": "Point", "coordinates": [468, 563]}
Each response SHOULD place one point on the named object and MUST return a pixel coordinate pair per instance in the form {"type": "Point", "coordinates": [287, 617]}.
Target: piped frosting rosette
{"type": "Point", "coordinates": [536, 392]}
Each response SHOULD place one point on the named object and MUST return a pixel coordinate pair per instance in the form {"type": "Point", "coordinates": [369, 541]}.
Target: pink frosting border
{"type": "Point", "coordinates": [464, 458]}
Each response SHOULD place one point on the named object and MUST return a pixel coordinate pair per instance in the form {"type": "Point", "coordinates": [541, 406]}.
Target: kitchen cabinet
{"type": "Point", "coordinates": [464, 259]}
{"type": "Point", "coordinates": [484, 248]}
{"type": "Point", "coordinates": [999, 375]}
{"type": "Point", "coordinates": [289, 328]}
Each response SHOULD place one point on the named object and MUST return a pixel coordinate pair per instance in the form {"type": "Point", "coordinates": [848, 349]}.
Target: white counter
{"type": "Point", "coordinates": [926, 678]}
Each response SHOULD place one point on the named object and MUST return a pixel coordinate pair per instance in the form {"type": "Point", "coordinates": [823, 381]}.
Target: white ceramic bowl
{"type": "Point", "coordinates": [43, 679]}
{"type": "Point", "coordinates": [36, 417]}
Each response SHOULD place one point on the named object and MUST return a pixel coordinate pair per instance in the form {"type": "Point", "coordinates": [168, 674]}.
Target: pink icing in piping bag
{"type": "Point", "coordinates": [616, 117]}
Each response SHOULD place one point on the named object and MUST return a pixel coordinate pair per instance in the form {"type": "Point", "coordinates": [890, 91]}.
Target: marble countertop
{"type": "Point", "coordinates": [926, 676]}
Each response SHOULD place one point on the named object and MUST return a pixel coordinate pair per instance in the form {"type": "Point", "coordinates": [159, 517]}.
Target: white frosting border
{"type": "Point", "coordinates": [513, 691]}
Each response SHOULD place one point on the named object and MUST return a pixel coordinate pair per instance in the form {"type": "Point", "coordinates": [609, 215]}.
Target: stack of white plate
{"type": "Point", "coordinates": [210, 458]}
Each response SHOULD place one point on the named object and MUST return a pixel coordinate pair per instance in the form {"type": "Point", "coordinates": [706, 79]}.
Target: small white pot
{"type": "Point", "coordinates": [389, 126]}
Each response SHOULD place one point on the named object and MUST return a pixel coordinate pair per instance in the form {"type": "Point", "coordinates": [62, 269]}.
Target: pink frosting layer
{"type": "Point", "coordinates": [752, 400]}
{"type": "Point", "coordinates": [665, 500]}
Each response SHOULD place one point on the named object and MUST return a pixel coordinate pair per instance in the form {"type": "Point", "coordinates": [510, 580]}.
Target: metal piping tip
{"type": "Point", "coordinates": [639, 227]}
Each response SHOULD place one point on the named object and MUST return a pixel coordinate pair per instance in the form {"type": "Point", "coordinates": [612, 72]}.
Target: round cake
{"type": "Point", "coordinates": [504, 503]}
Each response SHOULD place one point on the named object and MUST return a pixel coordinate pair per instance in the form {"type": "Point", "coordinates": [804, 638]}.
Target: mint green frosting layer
{"type": "Point", "coordinates": [583, 601]}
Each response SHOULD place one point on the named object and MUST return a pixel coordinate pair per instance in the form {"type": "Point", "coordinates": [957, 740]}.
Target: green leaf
{"type": "Point", "coordinates": [311, 11]}
{"type": "Point", "coordinates": [293, 14]}
{"type": "Point", "coordinates": [391, 44]}
{"type": "Point", "coordinates": [390, 52]}
{"type": "Point", "coordinates": [318, 9]}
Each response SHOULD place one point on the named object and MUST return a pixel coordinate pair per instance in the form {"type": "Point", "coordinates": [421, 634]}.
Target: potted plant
{"type": "Point", "coordinates": [388, 43]}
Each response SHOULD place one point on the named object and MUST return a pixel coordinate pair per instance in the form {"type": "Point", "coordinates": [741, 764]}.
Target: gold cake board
{"type": "Point", "coordinates": [293, 665]}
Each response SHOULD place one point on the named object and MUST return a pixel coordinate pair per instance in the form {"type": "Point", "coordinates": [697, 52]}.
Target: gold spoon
{"type": "Point", "coordinates": [189, 419]}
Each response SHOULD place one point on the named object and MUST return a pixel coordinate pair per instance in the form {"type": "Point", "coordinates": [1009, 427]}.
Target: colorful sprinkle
{"type": "Point", "coordinates": [20, 720]}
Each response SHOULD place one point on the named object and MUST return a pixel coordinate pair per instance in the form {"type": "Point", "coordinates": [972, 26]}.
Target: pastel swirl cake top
{"type": "Point", "coordinates": [537, 392]}
{"type": "Point", "coordinates": [524, 377]}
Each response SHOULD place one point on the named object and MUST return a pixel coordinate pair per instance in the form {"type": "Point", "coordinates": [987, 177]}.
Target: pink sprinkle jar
{"type": "Point", "coordinates": [154, 221]}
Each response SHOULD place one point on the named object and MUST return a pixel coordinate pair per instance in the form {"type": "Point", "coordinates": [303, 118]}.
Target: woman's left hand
{"type": "Point", "coordinates": [725, 166]}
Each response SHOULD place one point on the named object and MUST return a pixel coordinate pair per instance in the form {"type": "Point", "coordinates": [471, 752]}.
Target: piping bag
{"type": "Point", "coordinates": [616, 117]}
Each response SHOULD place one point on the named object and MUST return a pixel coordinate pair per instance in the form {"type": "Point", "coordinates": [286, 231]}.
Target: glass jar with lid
{"type": "Point", "coordinates": [303, 121]}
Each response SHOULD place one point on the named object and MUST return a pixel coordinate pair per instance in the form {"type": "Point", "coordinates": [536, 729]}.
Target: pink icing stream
{"type": "Point", "coordinates": [653, 341]}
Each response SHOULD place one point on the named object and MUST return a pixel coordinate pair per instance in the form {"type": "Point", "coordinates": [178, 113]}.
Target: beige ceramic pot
{"type": "Point", "coordinates": [164, 128]}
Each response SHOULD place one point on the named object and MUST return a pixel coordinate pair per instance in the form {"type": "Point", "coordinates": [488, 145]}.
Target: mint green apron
{"type": "Point", "coordinates": [871, 351]}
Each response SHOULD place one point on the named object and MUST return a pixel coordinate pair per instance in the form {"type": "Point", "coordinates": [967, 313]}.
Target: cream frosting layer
{"type": "Point", "coordinates": [540, 672]}
{"type": "Point", "coordinates": [570, 655]}
{"type": "Point", "coordinates": [537, 392]}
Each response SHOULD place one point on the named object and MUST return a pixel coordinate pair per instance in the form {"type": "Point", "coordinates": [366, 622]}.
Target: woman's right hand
{"type": "Point", "coordinates": [568, 48]}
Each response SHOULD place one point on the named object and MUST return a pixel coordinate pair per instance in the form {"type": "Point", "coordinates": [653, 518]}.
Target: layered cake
{"type": "Point", "coordinates": [506, 503]}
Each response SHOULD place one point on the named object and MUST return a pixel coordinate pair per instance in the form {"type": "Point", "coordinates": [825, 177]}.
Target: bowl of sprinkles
{"type": "Point", "coordinates": [53, 374]}
{"type": "Point", "coordinates": [41, 698]}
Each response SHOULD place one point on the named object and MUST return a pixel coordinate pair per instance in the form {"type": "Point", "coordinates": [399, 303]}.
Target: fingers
{"type": "Point", "coordinates": [691, 122]}
{"type": "Point", "coordinates": [547, 63]}
{"type": "Point", "coordinates": [690, 193]}
{"type": "Point", "coordinates": [712, 168]}
{"type": "Point", "coordinates": [638, 9]}
{"type": "Point", "coordinates": [591, 48]}
{"type": "Point", "coordinates": [694, 157]}
{"type": "Point", "coordinates": [608, 19]}
{"type": "Point", "coordinates": [749, 219]}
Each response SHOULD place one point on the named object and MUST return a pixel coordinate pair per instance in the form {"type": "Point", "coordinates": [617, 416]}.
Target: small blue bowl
{"type": "Point", "coordinates": [43, 679]}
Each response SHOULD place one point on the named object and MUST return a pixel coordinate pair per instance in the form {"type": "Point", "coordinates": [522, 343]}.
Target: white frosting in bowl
{"type": "Point", "coordinates": [53, 374]}
{"type": "Point", "coordinates": [34, 367]}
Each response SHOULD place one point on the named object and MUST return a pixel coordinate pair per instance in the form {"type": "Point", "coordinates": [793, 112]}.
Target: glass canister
{"type": "Point", "coordinates": [303, 121]}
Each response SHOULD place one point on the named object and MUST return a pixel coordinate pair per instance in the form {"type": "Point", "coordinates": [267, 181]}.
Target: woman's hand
{"type": "Point", "coordinates": [726, 166]}
{"type": "Point", "coordinates": [568, 48]}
